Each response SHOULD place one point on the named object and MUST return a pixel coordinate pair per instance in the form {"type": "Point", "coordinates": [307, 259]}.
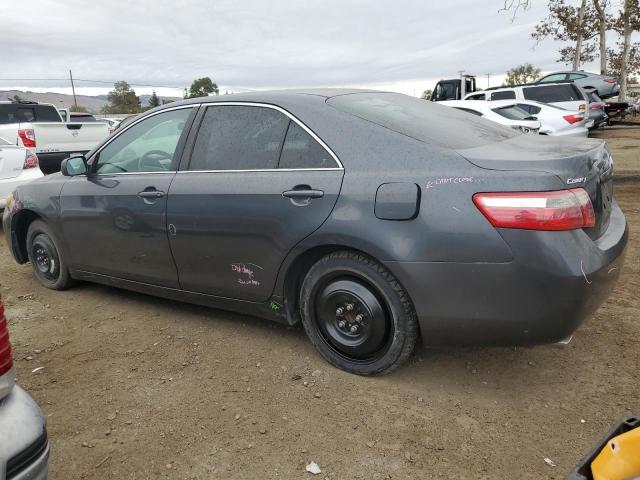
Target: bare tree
{"type": "Point", "coordinates": [576, 57]}
{"type": "Point", "coordinates": [603, 24]}
{"type": "Point", "coordinates": [514, 6]}
{"type": "Point", "coordinates": [628, 22]}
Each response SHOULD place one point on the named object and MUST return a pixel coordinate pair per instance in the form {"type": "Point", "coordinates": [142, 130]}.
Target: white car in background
{"type": "Point", "coordinates": [18, 165]}
{"type": "Point", "coordinates": [504, 112]}
{"type": "Point", "coordinates": [555, 121]}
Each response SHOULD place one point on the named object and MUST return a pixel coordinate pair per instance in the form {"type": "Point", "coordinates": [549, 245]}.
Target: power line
{"type": "Point", "coordinates": [83, 80]}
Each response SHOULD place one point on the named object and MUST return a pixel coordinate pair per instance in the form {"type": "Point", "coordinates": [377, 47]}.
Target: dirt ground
{"type": "Point", "coordinates": [624, 142]}
{"type": "Point", "coordinates": [141, 387]}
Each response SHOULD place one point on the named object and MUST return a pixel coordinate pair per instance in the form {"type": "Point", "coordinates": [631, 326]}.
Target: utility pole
{"type": "Point", "coordinates": [488, 79]}
{"type": "Point", "coordinates": [73, 89]}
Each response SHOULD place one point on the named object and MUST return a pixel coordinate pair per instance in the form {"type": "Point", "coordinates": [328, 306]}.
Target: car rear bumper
{"type": "Point", "coordinates": [571, 132]}
{"type": "Point", "coordinates": [556, 280]}
{"type": "Point", "coordinates": [7, 186]}
{"type": "Point", "coordinates": [24, 448]}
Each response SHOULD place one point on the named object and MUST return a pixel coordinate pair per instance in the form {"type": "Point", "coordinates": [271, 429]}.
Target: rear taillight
{"type": "Point", "coordinates": [28, 137]}
{"type": "Point", "coordinates": [30, 161]}
{"type": "Point", "coordinates": [610, 80]}
{"type": "Point", "coordinates": [6, 359]}
{"type": "Point", "coordinates": [595, 106]}
{"type": "Point", "coordinates": [573, 118]}
{"type": "Point", "coordinates": [557, 210]}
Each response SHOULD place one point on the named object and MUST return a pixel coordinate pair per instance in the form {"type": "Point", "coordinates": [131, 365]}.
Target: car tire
{"type": "Point", "coordinates": [356, 313]}
{"type": "Point", "coordinates": [46, 260]}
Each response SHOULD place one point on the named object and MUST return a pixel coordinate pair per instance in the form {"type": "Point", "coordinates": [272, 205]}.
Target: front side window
{"type": "Point", "coordinates": [301, 150]}
{"type": "Point", "coordinates": [148, 146]}
{"type": "Point", "coordinates": [503, 95]}
{"type": "Point", "coordinates": [237, 137]}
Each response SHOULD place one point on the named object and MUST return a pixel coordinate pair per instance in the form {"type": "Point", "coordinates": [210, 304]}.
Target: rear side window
{"type": "Point", "coordinates": [576, 76]}
{"type": "Point", "coordinates": [15, 113]}
{"type": "Point", "coordinates": [468, 110]}
{"type": "Point", "coordinates": [504, 95]}
{"type": "Point", "coordinates": [47, 113]}
{"type": "Point", "coordinates": [532, 109]}
{"type": "Point", "coordinates": [478, 96]}
{"type": "Point", "coordinates": [425, 121]}
{"type": "Point", "coordinates": [565, 92]}
{"type": "Point", "coordinates": [239, 138]}
{"type": "Point", "coordinates": [301, 150]}
{"type": "Point", "coordinates": [512, 112]}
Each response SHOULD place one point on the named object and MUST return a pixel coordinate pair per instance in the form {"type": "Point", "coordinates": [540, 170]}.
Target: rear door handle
{"type": "Point", "coordinates": [303, 193]}
{"type": "Point", "coordinates": [151, 194]}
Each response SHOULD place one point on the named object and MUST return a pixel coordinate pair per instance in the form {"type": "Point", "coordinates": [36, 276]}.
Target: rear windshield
{"type": "Point", "coordinates": [564, 92]}
{"type": "Point", "coordinates": [83, 118]}
{"type": "Point", "coordinates": [423, 120]}
{"type": "Point", "coordinates": [18, 113]}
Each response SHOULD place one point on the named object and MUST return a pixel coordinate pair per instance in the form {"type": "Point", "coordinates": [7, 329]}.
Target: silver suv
{"type": "Point", "coordinates": [605, 87]}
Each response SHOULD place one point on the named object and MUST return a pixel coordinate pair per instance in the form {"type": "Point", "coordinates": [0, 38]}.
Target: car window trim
{"type": "Point", "coordinates": [188, 152]}
{"type": "Point", "coordinates": [175, 162]}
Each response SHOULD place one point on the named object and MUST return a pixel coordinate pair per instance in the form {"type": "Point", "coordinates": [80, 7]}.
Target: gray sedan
{"type": "Point", "coordinates": [24, 449]}
{"type": "Point", "coordinates": [604, 86]}
{"type": "Point", "coordinates": [372, 218]}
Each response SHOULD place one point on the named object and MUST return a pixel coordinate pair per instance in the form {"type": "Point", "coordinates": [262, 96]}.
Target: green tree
{"type": "Point", "coordinates": [78, 108]}
{"type": "Point", "coordinates": [122, 99]}
{"type": "Point", "coordinates": [524, 73]}
{"type": "Point", "coordinates": [154, 100]}
{"type": "Point", "coordinates": [201, 87]}
{"type": "Point", "coordinates": [426, 95]}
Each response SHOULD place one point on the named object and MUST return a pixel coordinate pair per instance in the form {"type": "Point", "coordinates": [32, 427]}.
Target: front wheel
{"type": "Point", "coordinates": [47, 262]}
{"type": "Point", "coordinates": [357, 314]}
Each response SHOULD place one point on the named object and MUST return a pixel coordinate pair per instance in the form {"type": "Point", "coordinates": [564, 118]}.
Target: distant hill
{"type": "Point", "coordinates": [92, 103]}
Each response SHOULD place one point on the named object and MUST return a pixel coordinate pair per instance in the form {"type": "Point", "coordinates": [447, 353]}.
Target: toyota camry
{"type": "Point", "coordinates": [372, 218]}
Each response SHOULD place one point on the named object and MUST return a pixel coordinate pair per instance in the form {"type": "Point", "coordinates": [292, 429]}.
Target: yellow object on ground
{"type": "Point", "coordinates": [619, 459]}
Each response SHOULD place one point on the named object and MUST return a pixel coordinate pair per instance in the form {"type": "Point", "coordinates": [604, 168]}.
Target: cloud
{"type": "Point", "coordinates": [253, 44]}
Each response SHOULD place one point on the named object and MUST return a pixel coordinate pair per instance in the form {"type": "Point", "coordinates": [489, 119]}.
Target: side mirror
{"type": "Point", "coordinates": [73, 166]}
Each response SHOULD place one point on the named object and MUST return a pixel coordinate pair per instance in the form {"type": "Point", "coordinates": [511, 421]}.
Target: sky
{"type": "Point", "coordinates": [244, 45]}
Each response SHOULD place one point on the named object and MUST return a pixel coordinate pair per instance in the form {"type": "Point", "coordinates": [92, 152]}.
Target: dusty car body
{"type": "Point", "coordinates": [380, 218]}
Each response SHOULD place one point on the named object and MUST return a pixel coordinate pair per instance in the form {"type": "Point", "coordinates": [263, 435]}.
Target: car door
{"type": "Point", "coordinates": [114, 218]}
{"type": "Point", "coordinates": [256, 182]}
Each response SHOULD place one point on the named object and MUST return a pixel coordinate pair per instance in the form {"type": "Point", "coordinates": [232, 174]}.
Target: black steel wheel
{"type": "Point", "coordinates": [357, 314]}
{"type": "Point", "coordinates": [46, 260]}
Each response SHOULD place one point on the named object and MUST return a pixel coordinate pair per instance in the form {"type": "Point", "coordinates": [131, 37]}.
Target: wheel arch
{"type": "Point", "coordinates": [299, 267]}
{"type": "Point", "coordinates": [19, 228]}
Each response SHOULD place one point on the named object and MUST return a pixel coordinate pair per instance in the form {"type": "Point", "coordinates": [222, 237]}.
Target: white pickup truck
{"type": "Point", "coordinates": [39, 127]}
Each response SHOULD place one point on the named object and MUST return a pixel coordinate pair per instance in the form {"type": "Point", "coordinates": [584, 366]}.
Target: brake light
{"type": "Point", "coordinates": [573, 118]}
{"type": "Point", "coordinates": [610, 80]}
{"type": "Point", "coordinates": [595, 106]}
{"type": "Point", "coordinates": [6, 358]}
{"type": "Point", "coordinates": [556, 210]}
{"type": "Point", "coordinates": [30, 161]}
{"type": "Point", "coordinates": [28, 137]}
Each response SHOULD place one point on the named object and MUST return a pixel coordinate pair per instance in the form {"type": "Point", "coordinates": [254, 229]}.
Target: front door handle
{"type": "Point", "coordinates": [151, 194]}
{"type": "Point", "coordinates": [298, 194]}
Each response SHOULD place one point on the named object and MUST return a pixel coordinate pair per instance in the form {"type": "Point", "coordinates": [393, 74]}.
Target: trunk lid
{"type": "Point", "coordinates": [11, 161]}
{"type": "Point", "coordinates": [577, 162]}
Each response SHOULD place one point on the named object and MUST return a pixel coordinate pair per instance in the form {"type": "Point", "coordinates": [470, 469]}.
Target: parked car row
{"type": "Point", "coordinates": [40, 127]}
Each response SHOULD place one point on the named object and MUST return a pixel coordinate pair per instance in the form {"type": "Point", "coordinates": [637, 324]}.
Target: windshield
{"type": "Point", "coordinates": [423, 120]}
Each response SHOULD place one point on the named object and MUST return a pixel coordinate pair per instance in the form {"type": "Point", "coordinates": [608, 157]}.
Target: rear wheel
{"type": "Point", "coordinates": [47, 262]}
{"type": "Point", "coordinates": [357, 314]}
